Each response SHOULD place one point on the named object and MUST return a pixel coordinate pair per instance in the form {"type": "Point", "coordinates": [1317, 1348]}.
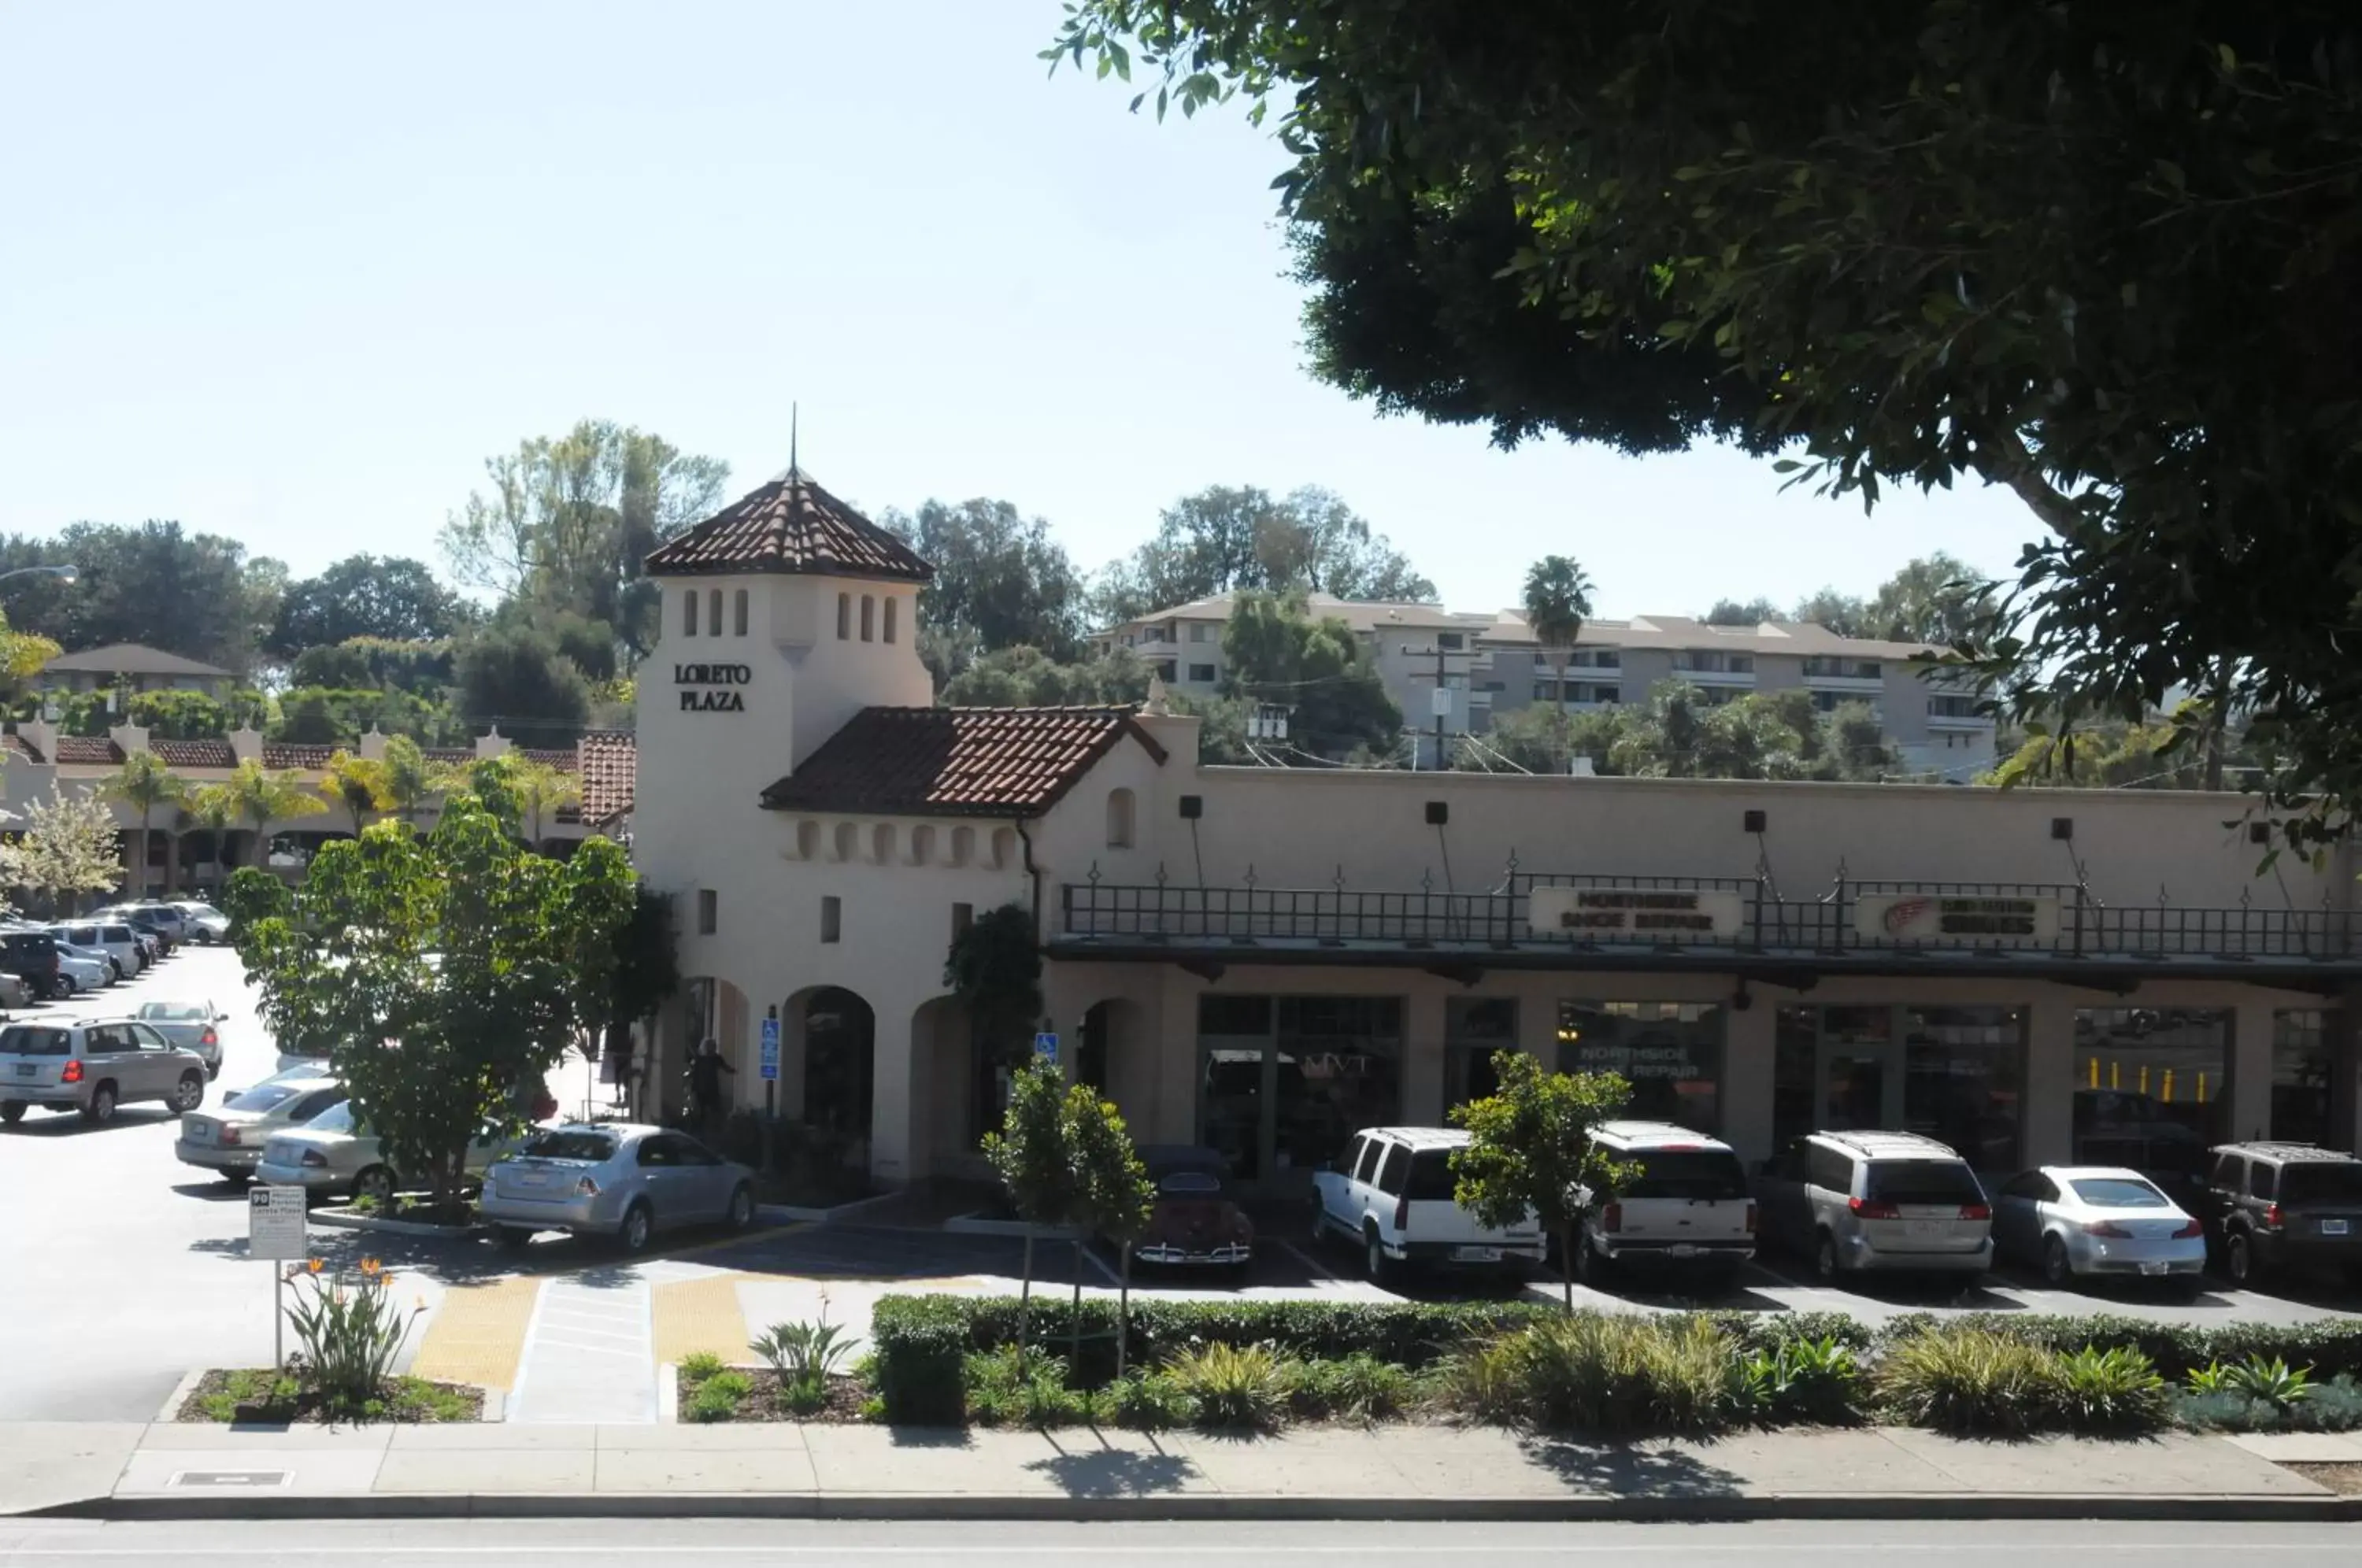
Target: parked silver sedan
{"type": "Point", "coordinates": [192, 1026]}
{"type": "Point", "coordinates": [2073, 1221]}
{"type": "Point", "coordinates": [619, 1179]}
{"type": "Point", "coordinates": [229, 1139]}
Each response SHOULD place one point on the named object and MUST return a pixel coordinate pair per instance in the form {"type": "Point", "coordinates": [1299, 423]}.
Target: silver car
{"type": "Point", "coordinates": [618, 1179]}
{"type": "Point", "coordinates": [229, 1140]}
{"type": "Point", "coordinates": [193, 1026]}
{"type": "Point", "coordinates": [335, 1152]}
{"type": "Point", "coordinates": [2095, 1219]}
{"type": "Point", "coordinates": [91, 1066]}
{"type": "Point", "coordinates": [1876, 1201]}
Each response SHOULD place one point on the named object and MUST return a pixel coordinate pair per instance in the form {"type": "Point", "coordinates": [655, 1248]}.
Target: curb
{"type": "Point", "coordinates": [809, 1214]}
{"type": "Point", "coordinates": [849, 1506]}
{"type": "Point", "coordinates": [972, 1225]}
{"type": "Point", "coordinates": [344, 1220]}
{"type": "Point", "coordinates": [170, 1414]}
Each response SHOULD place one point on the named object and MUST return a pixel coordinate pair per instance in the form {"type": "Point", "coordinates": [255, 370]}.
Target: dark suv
{"type": "Point", "coordinates": [2278, 1205]}
{"type": "Point", "coordinates": [32, 957]}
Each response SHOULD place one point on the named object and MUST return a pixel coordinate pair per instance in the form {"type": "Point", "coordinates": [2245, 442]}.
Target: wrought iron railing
{"type": "Point", "coordinates": [2062, 919]}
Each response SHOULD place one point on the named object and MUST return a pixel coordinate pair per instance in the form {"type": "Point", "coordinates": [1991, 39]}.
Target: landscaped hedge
{"type": "Point", "coordinates": [2329, 1346]}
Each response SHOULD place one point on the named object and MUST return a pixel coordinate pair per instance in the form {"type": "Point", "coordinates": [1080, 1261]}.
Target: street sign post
{"type": "Point", "coordinates": [277, 1222]}
{"type": "Point", "coordinates": [770, 1050]}
{"type": "Point", "coordinates": [1045, 1045]}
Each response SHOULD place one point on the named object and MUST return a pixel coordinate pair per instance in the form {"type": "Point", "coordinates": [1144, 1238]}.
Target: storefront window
{"type": "Point", "coordinates": [1474, 1028]}
{"type": "Point", "coordinates": [1964, 1080]}
{"type": "Point", "coordinates": [2301, 1066]}
{"type": "Point", "coordinates": [1286, 1080]}
{"type": "Point", "coordinates": [1858, 1042]}
{"type": "Point", "coordinates": [2150, 1087]}
{"type": "Point", "coordinates": [1796, 1034]}
{"type": "Point", "coordinates": [1670, 1052]}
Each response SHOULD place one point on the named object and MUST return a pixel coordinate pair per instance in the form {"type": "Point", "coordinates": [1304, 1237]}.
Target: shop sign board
{"type": "Point", "coordinates": [713, 687]}
{"type": "Point", "coordinates": [1966, 919]}
{"type": "Point", "coordinates": [1664, 914]}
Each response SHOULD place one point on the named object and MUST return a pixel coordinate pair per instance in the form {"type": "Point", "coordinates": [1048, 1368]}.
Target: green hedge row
{"type": "Point", "coordinates": [2329, 1346]}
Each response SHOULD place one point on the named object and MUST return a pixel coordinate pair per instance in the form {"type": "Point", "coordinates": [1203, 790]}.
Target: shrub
{"type": "Point", "coordinates": [1003, 1390]}
{"type": "Point", "coordinates": [348, 1332]}
{"type": "Point", "coordinates": [717, 1397]}
{"type": "Point", "coordinates": [1971, 1381]}
{"type": "Point", "coordinates": [1359, 1387]}
{"type": "Point", "coordinates": [1605, 1374]}
{"type": "Point", "coordinates": [699, 1366]}
{"type": "Point", "coordinates": [2272, 1382]}
{"type": "Point", "coordinates": [1150, 1402]}
{"type": "Point", "coordinates": [2327, 1347]}
{"type": "Point", "coordinates": [2114, 1390]}
{"type": "Point", "coordinates": [805, 1357]}
{"type": "Point", "coordinates": [2208, 1406]}
{"type": "Point", "coordinates": [1814, 1380]}
{"type": "Point", "coordinates": [1234, 1386]}
{"type": "Point", "coordinates": [921, 1342]}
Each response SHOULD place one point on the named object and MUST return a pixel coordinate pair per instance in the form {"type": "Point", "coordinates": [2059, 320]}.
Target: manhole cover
{"type": "Point", "coordinates": [246, 1478]}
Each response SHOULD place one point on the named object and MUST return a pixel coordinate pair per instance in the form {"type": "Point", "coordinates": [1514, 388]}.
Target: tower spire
{"type": "Point", "coordinates": [791, 440]}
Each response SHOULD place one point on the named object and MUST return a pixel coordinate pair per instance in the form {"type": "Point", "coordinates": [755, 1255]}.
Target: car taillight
{"type": "Point", "coordinates": [1975, 1211]}
{"type": "Point", "coordinates": [1751, 1219]}
{"type": "Point", "coordinates": [2109, 1228]}
{"type": "Point", "coordinates": [229, 1136]}
{"type": "Point", "coordinates": [73, 1074]}
{"type": "Point", "coordinates": [2190, 1231]}
{"type": "Point", "coordinates": [1870, 1208]}
{"type": "Point", "coordinates": [1402, 1212]}
{"type": "Point", "coordinates": [209, 1038]}
{"type": "Point", "coordinates": [1611, 1218]}
{"type": "Point", "coordinates": [2271, 1217]}
{"type": "Point", "coordinates": [314, 1159]}
{"type": "Point", "coordinates": [585, 1188]}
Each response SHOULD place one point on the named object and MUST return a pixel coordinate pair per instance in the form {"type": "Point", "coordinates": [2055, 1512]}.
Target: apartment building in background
{"type": "Point", "coordinates": [1492, 665]}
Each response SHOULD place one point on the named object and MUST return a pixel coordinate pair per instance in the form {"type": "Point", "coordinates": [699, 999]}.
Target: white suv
{"type": "Point", "coordinates": [1686, 1209]}
{"type": "Point", "coordinates": [1390, 1191]}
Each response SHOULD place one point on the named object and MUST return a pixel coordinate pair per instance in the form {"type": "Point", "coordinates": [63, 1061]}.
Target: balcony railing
{"type": "Point", "coordinates": [1583, 914]}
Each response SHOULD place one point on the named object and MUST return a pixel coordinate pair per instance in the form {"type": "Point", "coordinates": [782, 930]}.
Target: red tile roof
{"type": "Point", "coordinates": [194, 753]}
{"type": "Point", "coordinates": [88, 751]}
{"type": "Point", "coordinates": [609, 763]}
{"type": "Point", "coordinates": [286, 754]}
{"type": "Point", "coordinates": [460, 755]}
{"type": "Point", "coordinates": [790, 526]}
{"type": "Point", "coordinates": [992, 762]}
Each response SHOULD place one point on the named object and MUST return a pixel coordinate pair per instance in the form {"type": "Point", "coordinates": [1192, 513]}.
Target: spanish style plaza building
{"type": "Point", "coordinates": [1263, 960]}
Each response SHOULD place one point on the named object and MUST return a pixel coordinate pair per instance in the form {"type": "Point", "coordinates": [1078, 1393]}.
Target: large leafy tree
{"type": "Point", "coordinates": [144, 782]}
{"type": "Point", "coordinates": [69, 845]}
{"type": "Point", "coordinates": [516, 677]}
{"type": "Point", "coordinates": [256, 796]}
{"type": "Point", "coordinates": [1274, 652]}
{"type": "Point", "coordinates": [1026, 676]}
{"type": "Point", "coordinates": [569, 520]}
{"type": "Point", "coordinates": [195, 594]}
{"type": "Point", "coordinates": [1238, 536]}
{"type": "Point", "coordinates": [453, 970]}
{"type": "Point", "coordinates": [2095, 252]}
{"type": "Point", "coordinates": [1000, 579]}
{"type": "Point", "coordinates": [390, 597]}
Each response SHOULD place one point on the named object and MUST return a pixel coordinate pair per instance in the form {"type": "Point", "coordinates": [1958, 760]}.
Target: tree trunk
{"type": "Point", "coordinates": [1075, 1323]}
{"type": "Point", "coordinates": [1566, 1243]}
{"type": "Point", "coordinates": [1123, 1313]}
{"type": "Point", "coordinates": [1024, 1299]}
{"type": "Point", "coordinates": [135, 876]}
{"type": "Point", "coordinates": [172, 864]}
{"type": "Point", "coordinates": [1565, 734]}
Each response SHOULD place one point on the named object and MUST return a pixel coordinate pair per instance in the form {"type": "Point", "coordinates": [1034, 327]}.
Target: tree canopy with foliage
{"type": "Point", "coordinates": [69, 845]}
{"type": "Point", "coordinates": [1238, 536]}
{"type": "Point", "coordinates": [2096, 252]}
{"type": "Point", "coordinates": [143, 782]}
{"type": "Point", "coordinates": [1274, 652]}
{"type": "Point", "coordinates": [199, 595]}
{"type": "Point", "coordinates": [390, 597]}
{"type": "Point", "coordinates": [451, 971]}
{"type": "Point", "coordinates": [1677, 734]}
{"type": "Point", "coordinates": [1000, 577]}
{"type": "Point", "coordinates": [1529, 1154]}
{"type": "Point", "coordinates": [1026, 677]}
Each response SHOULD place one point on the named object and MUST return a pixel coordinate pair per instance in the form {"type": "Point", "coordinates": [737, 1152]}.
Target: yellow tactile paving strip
{"type": "Point", "coordinates": [695, 1314]}
{"type": "Point", "coordinates": [478, 1334]}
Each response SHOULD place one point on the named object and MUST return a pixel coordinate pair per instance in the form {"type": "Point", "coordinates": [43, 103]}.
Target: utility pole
{"type": "Point", "coordinates": [1439, 700]}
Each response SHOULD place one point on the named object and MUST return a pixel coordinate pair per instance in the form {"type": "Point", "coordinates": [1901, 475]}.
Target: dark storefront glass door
{"type": "Point", "coordinates": [1284, 1081]}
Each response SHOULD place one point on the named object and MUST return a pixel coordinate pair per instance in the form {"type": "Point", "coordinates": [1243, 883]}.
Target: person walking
{"type": "Point", "coordinates": [705, 1087]}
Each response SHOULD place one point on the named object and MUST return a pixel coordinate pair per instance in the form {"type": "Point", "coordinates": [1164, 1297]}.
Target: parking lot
{"type": "Point", "coordinates": [126, 1268]}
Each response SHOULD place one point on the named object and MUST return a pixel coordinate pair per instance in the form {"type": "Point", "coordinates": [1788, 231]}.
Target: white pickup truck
{"type": "Point", "coordinates": [1390, 1193]}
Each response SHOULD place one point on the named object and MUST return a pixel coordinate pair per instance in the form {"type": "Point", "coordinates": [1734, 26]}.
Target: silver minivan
{"type": "Point", "coordinates": [1887, 1201]}
{"type": "Point", "coordinates": [118, 942]}
{"type": "Point", "coordinates": [93, 1065]}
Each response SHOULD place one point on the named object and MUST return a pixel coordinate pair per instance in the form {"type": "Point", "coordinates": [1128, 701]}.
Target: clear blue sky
{"type": "Point", "coordinates": [290, 271]}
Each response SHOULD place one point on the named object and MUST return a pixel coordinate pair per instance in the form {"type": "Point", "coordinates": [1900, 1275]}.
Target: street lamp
{"type": "Point", "coordinates": [63, 574]}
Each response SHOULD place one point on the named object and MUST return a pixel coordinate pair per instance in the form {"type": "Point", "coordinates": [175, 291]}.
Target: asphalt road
{"type": "Point", "coordinates": [500, 1544]}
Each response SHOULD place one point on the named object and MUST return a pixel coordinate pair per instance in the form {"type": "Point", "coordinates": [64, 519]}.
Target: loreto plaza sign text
{"type": "Point", "coordinates": [713, 687]}
{"type": "Point", "coordinates": [1663, 914]}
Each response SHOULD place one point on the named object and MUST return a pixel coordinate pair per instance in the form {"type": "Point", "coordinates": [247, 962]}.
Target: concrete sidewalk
{"type": "Point", "coordinates": [184, 1470]}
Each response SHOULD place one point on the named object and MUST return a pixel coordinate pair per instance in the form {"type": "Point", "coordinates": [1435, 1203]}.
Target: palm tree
{"type": "Point", "coordinates": [411, 779]}
{"type": "Point", "coordinates": [1558, 598]}
{"type": "Point", "coordinates": [356, 783]}
{"type": "Point", "coordinates": [541, 789]}
{"type": "Point", "coordinates": [144, 783]}
{"type": "Point", "coordinates": [212, 809]}
{"type": "Point", "coordinates": [262, 797]}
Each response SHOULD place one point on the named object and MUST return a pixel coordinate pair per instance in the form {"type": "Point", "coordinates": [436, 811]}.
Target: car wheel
{"type": "Point", "coordinates": [375, 1184]}
{"type": "Point", "coordinates": [116, 965]}
{"type": "Point", "coordinates": [638, 1229]}
{"type": "Point", "coordinates": [100, 1109]}
{"type": "Point", "coordinates": [1591, 1265]}
{"type": "Point", "coordinates": [2056, 1267]}
{"type": "Point", "coordinates": [511, 1238]}
{"type": "Point", "coordinates": [212, 1072]}
{"type": "Point", "coordinates": [12, 1112]}
{"type": "Point", "coordinates": [1319, 1225]}
{"type": "Point", "coordinates": [66, 986]}
{"type": "Point", "coordinates": [1827, 1266]}
{"type": "Point", "coordinates": [237, 1181]}
{"type": "Point", "coordinates": [741, 1207]}
{"type": "Point", "coordinates": [2240, 1258]}
{"type": "Point", "coordinates": [189, 1093]}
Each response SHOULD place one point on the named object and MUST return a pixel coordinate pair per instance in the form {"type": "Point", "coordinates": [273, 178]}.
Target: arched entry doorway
{"type": "Point", "coordinates": [840, 1061]}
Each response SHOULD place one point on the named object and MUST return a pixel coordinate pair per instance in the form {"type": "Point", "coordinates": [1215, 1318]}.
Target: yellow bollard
{"type": "Point", "coordinates": [2166, 1094]}
{"type": "Point", "coordinates": [2115, 1075]}
{"type": "Point", "coordinates": [2202, 1088]}
{"type": "Point", "coordinates": [2143, 1079]}
{"type": "Point", "coordinates": [2095, 1073]}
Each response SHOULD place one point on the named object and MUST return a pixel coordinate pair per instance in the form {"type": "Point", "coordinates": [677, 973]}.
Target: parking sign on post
{"type": "Point", "coordinates": [1045, 1045]}
{"type": "Point", "coordinates": [276, 1232]}
{"type": "Point", "coordinates": [771, 1063]}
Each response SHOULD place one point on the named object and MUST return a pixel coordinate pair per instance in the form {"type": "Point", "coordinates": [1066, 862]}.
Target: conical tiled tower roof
{"type": "Point", "coordinates": [788, 525]}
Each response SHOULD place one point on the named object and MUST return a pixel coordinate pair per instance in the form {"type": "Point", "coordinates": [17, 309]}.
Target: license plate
{"type": "Point", "coordinates": [1681, 1250]}
{"type": "Point", "coordinates": [1920, 1228]}
{"type": "Point", "coordinates": [2332, 1227]}
{"type": "Point", "coordinates": [26, 1069]}
{"type": "Point", "coordinates": [534, 1179]}
{"type": "Point", "coordinates": [1476, 1255]}
{"type": "Point", "coordinates": [2153, 1268]}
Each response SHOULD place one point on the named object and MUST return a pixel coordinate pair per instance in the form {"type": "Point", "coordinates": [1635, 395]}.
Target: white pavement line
{"type": "Point", "coordinates": [524, 1351]}
{"type": "Point", "coordinates": [1318, 1269]}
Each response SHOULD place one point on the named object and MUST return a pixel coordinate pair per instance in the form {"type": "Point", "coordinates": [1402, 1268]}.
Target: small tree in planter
{"type": "Point", "coordinates": [1030, 1153]}
{"type": "Point", "coordinates": [1530, 1152]}
{"type": "Point", "coordinates": [1118, 1198]}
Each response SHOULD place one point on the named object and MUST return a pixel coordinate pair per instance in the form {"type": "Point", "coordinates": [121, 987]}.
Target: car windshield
{"type": "Point", "coordinates": [2326, 1182]}
{"type": "Point", "coordinates": [1190, 1184]}
{"type": "Point", "coordinates": [571, 1144]}
{"type": "Point", "coordinates": [1431, 1177]}
{"type": "Point", "coordinates": [337, 1118]}
{"type": "Point", "coordinates": [1923, 1181]}
{"type": "Point", "coordinates": [22, 1040]}
{"type": "Point", "coordinates": [1707, 1174]}
{"type": "Point", "coordinates": [261, 1097]}
{"type": "Point", "coordinates": [2118, 1192]}
{"type": "Point", "coordinates": [173, 1012]}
